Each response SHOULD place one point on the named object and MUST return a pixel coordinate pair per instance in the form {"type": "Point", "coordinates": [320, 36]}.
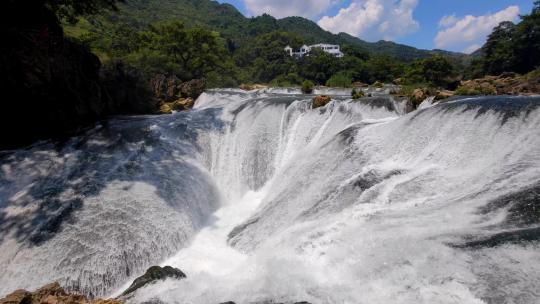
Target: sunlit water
{"type": "Point", "coordinates": [258, 197]}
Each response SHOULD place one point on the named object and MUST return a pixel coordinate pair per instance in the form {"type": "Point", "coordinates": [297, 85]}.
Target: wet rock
{"type": "Point", "coordinates": [321, 101]}
{"type": "Point", "coordinates": [251, 87]}
{"type": "Point", "coordinates": [182, 104]}
{"type": "Point", "coordinates": [51, 294]}
{"type": "Point", "coordinates": [444, 94]}
{"type": "Point", "coordinates": [154, 274]}
{"type": "Point", "coordinates": [419, 95]}
{"type": "Point", "coordinates": [359, 84]}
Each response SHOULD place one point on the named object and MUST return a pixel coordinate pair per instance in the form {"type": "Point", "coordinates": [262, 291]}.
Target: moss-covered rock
{"type": "Point", "coordinates": [321, 101]}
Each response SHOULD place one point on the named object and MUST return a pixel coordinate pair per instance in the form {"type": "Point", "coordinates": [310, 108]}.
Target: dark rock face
{"type": "Point", "coordinates": [153, 274]}
{"type": "Point", "coordinates": [168, 88]}
{"type": "Point", "coordinates": [192, 88]}
{"type": "Point", "coordinates": [165, 88]}
{"type": "Point", "coordinates": [51, 86]}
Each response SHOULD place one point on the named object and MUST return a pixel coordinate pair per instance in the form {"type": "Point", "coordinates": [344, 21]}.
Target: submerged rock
{"type": "Point", "coordinates": [321, 101]}
{"type": "Point", "coordinates": [153, 274]}
{"type": "Point", "coordinates": [51, 294]}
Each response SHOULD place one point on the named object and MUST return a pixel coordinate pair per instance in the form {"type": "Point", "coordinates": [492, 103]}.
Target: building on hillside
{"type": "Point", "coordinates": [305, 50]}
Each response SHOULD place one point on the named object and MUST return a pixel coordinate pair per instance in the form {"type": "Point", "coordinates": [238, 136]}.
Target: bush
{"type": "Point", "coordinates": [307, 87]}
{"type": "Point", "coordinates": [289, 80]}
{"type": "Point", "coordinates": [357, 94]}
{"type": "Point", "coordinates": [340, 79]}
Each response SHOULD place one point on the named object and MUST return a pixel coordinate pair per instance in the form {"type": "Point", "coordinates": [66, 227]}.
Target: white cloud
{"type": "Point", "coordinates": [472, 48]}
{"type": "Point", "coordinates": [373, 20]}
{"type": "Point", "coordinates": [285, 8]}
{"type": "Point", "coordinates": [448, 21]}
{"type": "Point", "coordinates": [471, 31]}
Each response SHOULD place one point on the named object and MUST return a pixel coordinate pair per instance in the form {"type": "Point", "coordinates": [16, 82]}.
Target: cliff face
{"type": "Point", "coordinates": [51, 86]}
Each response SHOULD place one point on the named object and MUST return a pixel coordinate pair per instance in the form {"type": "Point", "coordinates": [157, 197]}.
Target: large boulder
{"type": "Point", "coordinates": [321, 101]}
{"type": "Point", "coordinates": [152, 275]}
{"type": "Point", "coordinates": [51, 294]}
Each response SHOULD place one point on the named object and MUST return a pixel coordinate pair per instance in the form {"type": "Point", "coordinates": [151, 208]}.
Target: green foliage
{"type": "Point", "coordinates": [340, 79]}
{"type": "Point", "coordinates": [357, 94]}
{"type": "Point", "coordinates": [289, 80]}
{"type": "Point", "coordinates": [383, 68]}
{"type": "Point", "coordinates": [499, 49]}
{"type": "Point", "coordinates": [436, 71]}
{"type": "Point", "coordinates": [513, 47]}
{"type": "Point", "coordinates": [69, 10]}
{"type": "Point", "coordinates": [307, 86]}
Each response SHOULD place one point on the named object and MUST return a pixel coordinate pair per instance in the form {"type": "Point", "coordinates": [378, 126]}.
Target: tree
{"type": "Point", "coordinates": [268, 58]}
{"type": "Point", "coordinates": [383, 68]}
{"type": "Point", "coordinates": [319, 66]}
{"type": "Point", "coordinates": [527, 41]}
{"type": "Point", "coordinates": [71, 9]}
{"type": "Point", "coordinates": [188, 53]}
{"type": "Point", "coordinates": [499, 49]}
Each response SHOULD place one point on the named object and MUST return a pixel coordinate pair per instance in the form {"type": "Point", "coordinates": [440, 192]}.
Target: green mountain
{"type": "Point", "coordinates": [231, 24]}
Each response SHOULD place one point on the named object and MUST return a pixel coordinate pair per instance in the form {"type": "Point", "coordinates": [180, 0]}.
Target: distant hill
{"type": "Point", "coordinates": [227, 20]}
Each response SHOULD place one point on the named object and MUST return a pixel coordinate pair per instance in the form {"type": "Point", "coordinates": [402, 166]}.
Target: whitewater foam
{"type": "Point", "coordinates": [258, 197]}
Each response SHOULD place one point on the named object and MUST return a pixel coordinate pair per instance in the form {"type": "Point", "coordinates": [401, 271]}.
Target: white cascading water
{"type": "Point", "coordinates": [257, 197]}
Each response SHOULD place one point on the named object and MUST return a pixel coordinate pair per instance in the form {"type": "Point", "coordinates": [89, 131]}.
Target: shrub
{"type": "Point", "coordinates": [357, 94]}
{"type": "Point", "coordinates": [340, 79]}
{"type": "Point", "coordinates": [307, 87]}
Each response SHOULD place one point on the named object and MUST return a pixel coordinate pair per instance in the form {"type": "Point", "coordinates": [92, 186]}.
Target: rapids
{"type": "Point", "coordinates": [258, 197]}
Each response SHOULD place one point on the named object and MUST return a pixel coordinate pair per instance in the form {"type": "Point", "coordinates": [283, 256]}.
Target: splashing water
{"type": "Point", "coordinates": [258, 197]}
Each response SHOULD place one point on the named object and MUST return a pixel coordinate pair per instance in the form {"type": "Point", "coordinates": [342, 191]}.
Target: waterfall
{"type": "Point", "coordinates": [259, 197]}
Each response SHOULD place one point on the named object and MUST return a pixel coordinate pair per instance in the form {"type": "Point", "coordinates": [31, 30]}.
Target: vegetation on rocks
{"type": "Point", "coordinates": [357, 94]}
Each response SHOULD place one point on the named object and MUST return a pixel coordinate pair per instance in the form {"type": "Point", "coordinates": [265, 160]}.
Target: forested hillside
{"type": "Point", "coordinates": [231, 24]}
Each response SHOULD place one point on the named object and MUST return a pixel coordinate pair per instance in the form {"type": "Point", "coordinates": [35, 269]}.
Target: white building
{"type": "Point", "coordinates": [305, 50]}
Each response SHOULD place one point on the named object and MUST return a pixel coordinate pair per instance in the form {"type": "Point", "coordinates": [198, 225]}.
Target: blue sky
{"type": "Point", "coordinates": [456, 25]}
